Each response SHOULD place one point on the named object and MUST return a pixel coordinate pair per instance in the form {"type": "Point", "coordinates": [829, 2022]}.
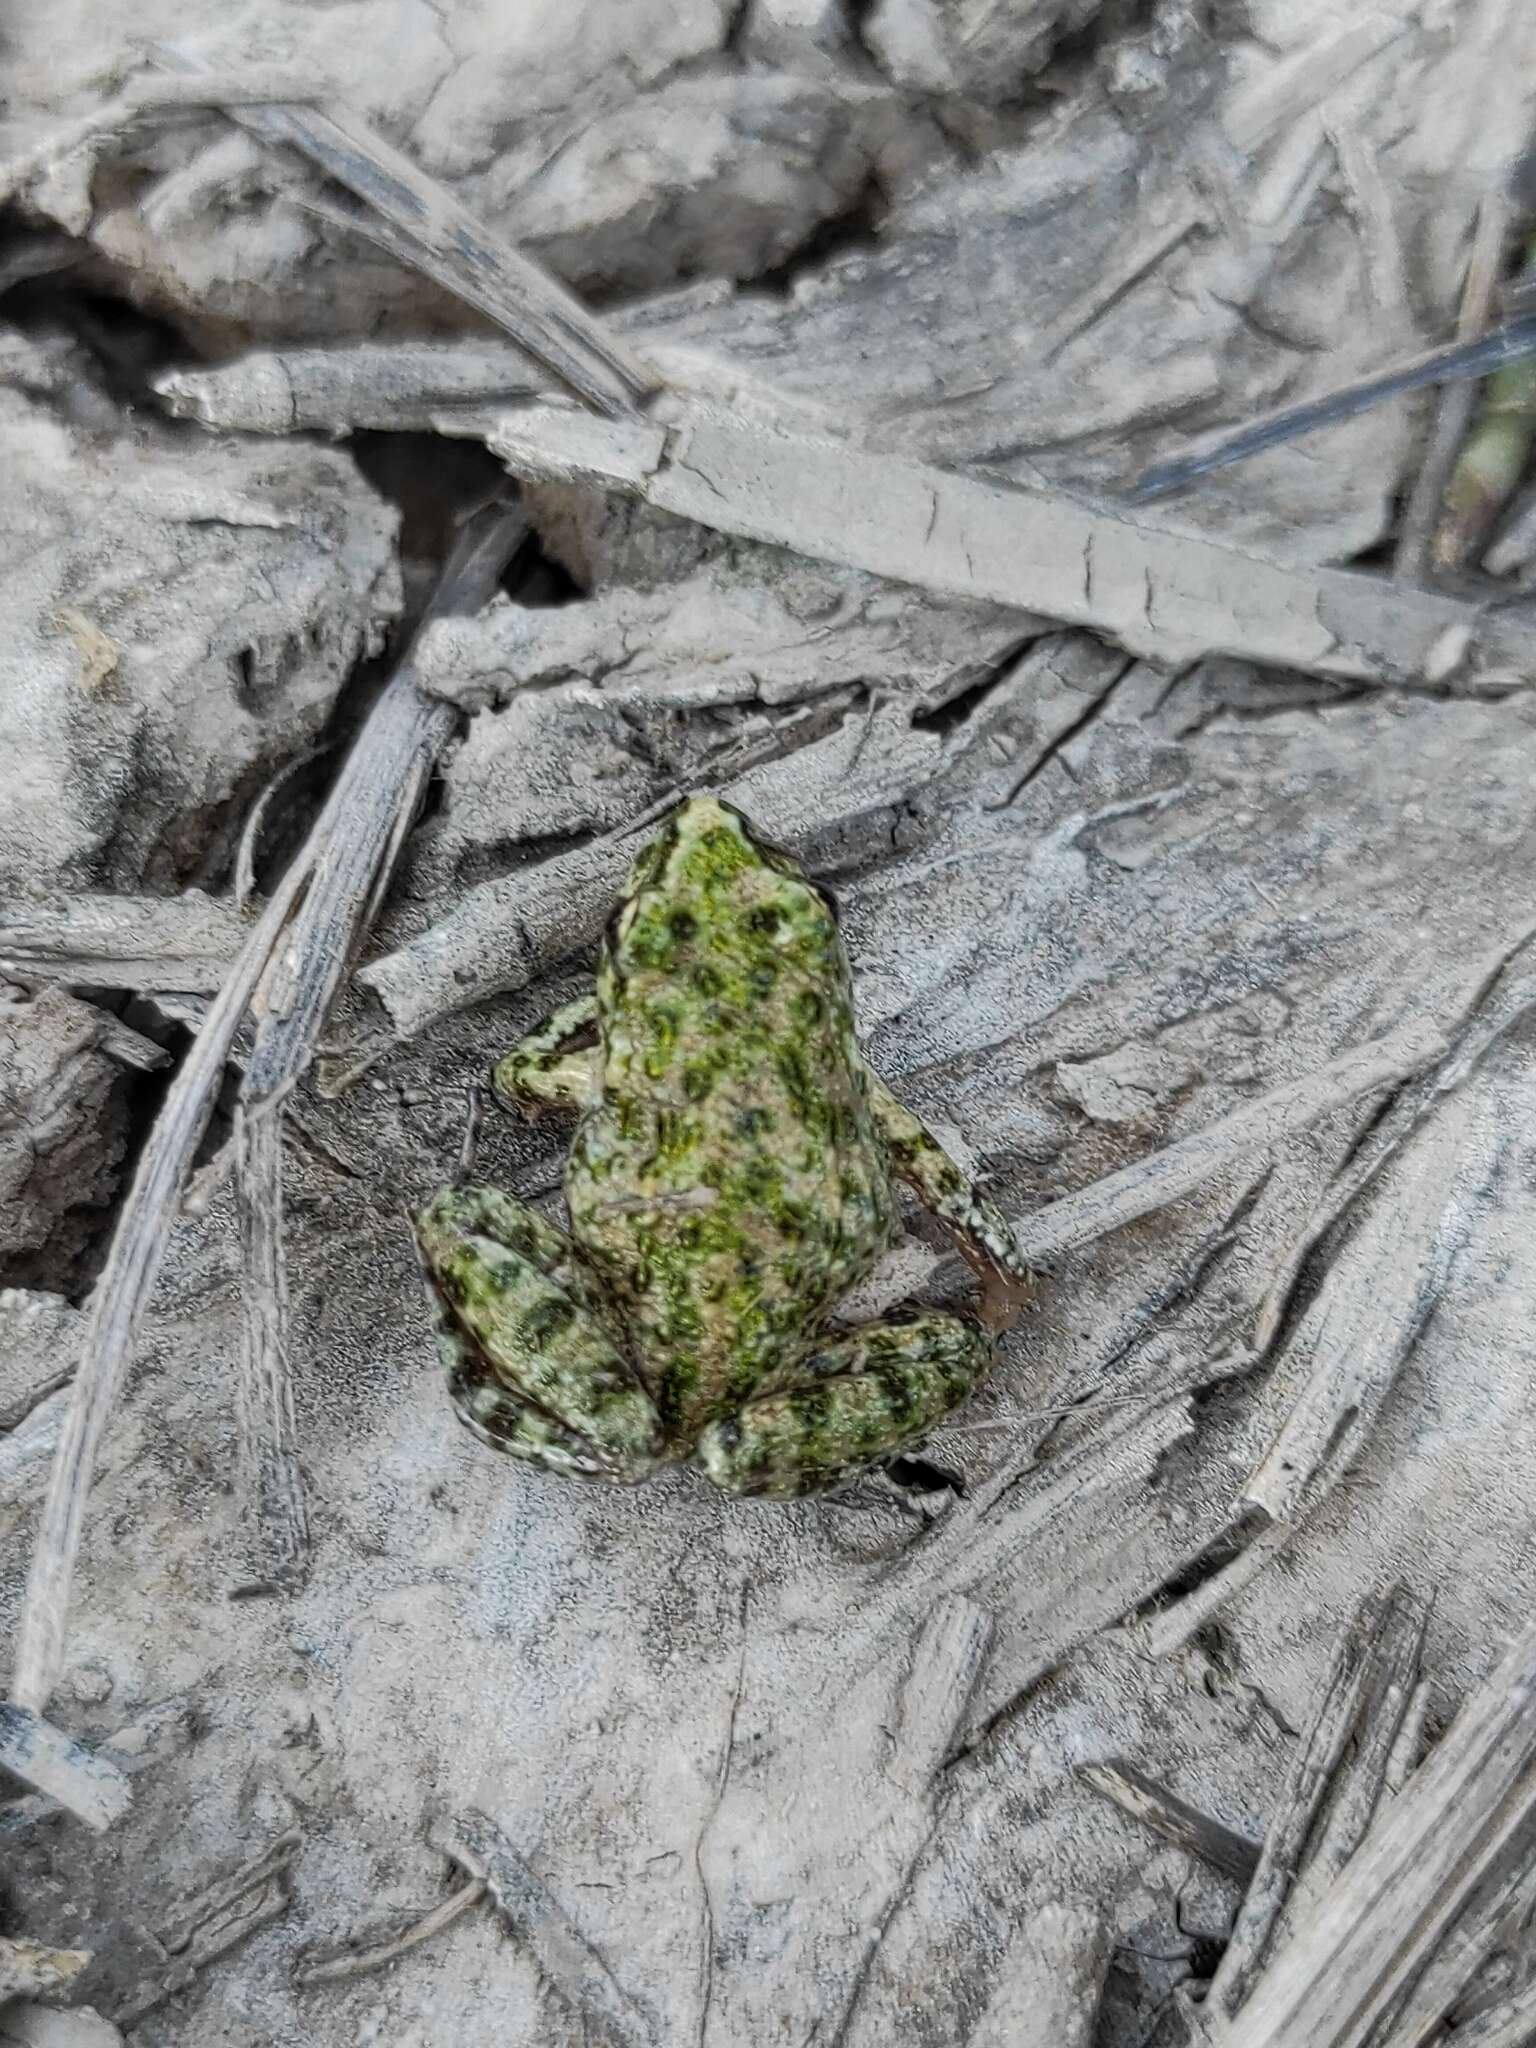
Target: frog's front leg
{"type": "Point", "coordinates": [536, 1366]}
{"type": "Point", "coordinates": [857, 1402]}
{"type": "Point", "coordinates": [978, 1227]}
{"type": "Point", "coordinates": [543, 1068]}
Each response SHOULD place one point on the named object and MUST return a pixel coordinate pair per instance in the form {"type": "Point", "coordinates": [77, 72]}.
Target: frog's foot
{"type": "Point", "coordinates": [546, 1067]}
{"type": "Point", "coordinates": [857, 1403]}
{"type": "Point", "coordinates": [978, 1227]}
{"type": "Point", "coordinates": [535, 1362]}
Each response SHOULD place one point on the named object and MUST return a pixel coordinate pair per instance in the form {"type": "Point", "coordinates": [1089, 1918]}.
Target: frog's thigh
{"type": "Point", "coordinates": [942, 1186]}
{"type": "Point", "coordinates": [861, 1400]}
{"type": "Point", "coordinates": [539, 1068]}
{"type": "Point", "coordinates": [489, 1408]}
{"type": "Point", "coordinates": [535, 1362]}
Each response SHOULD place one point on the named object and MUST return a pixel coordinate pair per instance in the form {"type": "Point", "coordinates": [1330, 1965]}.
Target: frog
{"type": "Point", "coordinates": [732, 1174]}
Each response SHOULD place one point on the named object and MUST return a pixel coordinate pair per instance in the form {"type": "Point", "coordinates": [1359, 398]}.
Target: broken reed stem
{"type": "Point", "coordinates": [315, 916]}
{"type": "Point", "coordinates": [1150, 588]}
{"type": "Point", "coordinates": [1312, 1767]}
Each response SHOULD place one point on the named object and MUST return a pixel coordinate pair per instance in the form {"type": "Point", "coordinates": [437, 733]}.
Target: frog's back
{"type": "Point", "coordinates": [729, 1184]}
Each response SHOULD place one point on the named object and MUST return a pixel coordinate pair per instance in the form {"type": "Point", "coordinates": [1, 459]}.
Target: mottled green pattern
{"type": "Point", "coordinates": [730, 1177]}
{"type": "Point", "coordinates": [865, 1396]}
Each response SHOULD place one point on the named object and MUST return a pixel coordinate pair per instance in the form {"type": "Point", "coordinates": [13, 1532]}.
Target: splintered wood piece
{"type": "Point", "coordinates": [90, 1785]}
{"type": "Point", "coordinates": [1348, 1961]}
{"type": "Point", "coordinates": [1318, 1756]}
{"type": "Point", "coordinates": [29, 1969]}
{"type": "Point", "coordinates": [1389, 1682]}
{"type": "Point", "coordinates": [1166, 1814]}
{"type": "Point", "coordinates": [160, 1731]}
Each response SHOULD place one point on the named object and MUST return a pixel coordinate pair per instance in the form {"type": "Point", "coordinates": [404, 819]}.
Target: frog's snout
{"type": "Point", "coordinates": [697, 815]}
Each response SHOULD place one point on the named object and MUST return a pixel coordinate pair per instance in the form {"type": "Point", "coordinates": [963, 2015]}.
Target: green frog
{"type": "Point", "coordinates": [731, 1175]}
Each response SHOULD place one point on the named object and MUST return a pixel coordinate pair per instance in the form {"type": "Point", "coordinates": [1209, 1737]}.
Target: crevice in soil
{"type": "Point", "coordinates": [856, 226]}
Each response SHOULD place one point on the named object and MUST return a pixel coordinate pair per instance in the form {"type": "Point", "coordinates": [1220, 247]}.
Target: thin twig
{"type": "Point", "coordinates": [121, 1296]}
{"type": "Point", "coordinates": [1514, 342]}
{"type": "Point", "coordinates": [256, 818]}
{"type": "Point", "coordinates": [357, 1962]}
{"type": "Point", "coordinates": [215, 1898]}
{"type": "Point", "coordinates": [360, 834]}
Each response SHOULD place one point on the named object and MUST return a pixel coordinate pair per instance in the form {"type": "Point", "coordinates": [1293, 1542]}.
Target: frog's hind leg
{"type": "Point", "coordinates": [544, 1067]}
{"type": "Point", "coordinates": [490, 1410]}
{"type": "Point", "coordinates": [536, 1365]}
{"type": "Point", "coordinates": [978, 1227]}
{"type": "Point", "coordinates": [858, 1402]}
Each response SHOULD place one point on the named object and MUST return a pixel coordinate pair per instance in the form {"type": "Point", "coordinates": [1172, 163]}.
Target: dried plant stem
{"type": "Point", "coordinates": [420, 221]}
{"type": "Point", "coordinates": [1457, 403]}
{"type": "Point", "coordinates": [1493, 458]}
{"type": "Point", "coordinates": [122, 1295]}
{"type": "Point", "coordinates": [357, 1962]}
{"type": "Point", "coordinates": [313, 920]}
{"type": "Point", "coordinates": [1166, 1814]}
{"type": "Point", "coordinates": [274, 1483]}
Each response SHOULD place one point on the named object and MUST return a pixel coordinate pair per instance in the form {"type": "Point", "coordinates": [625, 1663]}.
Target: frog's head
{"type": "Point", "coordinates": [708, 879]}
{"type": "Point", "coordinates": [704, 843]}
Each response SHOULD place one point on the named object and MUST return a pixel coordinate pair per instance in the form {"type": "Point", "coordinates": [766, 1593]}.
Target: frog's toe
{"type": "Point", "coordinates": [864, 1399]}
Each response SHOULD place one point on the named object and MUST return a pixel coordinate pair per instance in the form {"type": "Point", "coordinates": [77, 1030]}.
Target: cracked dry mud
{"type": "Point", "coordinates": [1111, 877]}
